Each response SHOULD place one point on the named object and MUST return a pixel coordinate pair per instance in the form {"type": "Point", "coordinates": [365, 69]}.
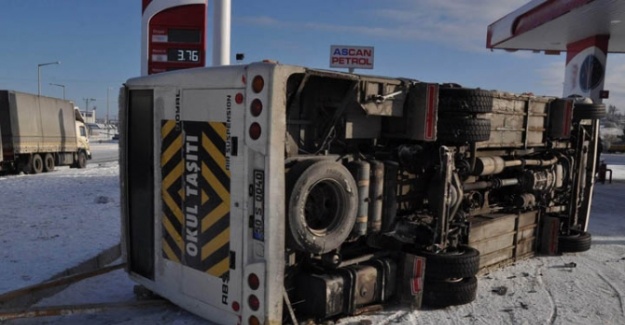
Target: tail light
{"type": "Point", "coordinates": [253, 320]}
{"type": "Point", "coordinates": [253, 302]}
{"type": "Point", "coordinates": [257, 107]}
{"type": "Point", "coordinates": [253, 281]}
{"type": "Point", "coordinates": [255, 131]}
{"type": "Point", "coordinates": [258, 83]}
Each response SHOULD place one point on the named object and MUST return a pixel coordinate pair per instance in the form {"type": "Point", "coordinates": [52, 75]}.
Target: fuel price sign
{"type": "Point", "coordinates": [174, 35]}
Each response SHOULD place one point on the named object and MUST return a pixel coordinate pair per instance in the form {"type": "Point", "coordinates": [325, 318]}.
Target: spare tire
{"type": "Point", "coordinates": [588, 111]}
{"type": "Point", "coordinates": [322, 203]}
{"type": "Point", "coordinates": [465, 100]}
{"type": "Point", "coordinates": [460, 130]}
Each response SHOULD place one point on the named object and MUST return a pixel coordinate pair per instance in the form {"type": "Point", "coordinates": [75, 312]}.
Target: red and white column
{"type": "Point", "coordinates": [585, 67]}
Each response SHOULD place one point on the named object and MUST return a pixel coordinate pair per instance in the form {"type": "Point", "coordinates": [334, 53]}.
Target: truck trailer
{"type": "Point", "coordinates": [269, 193]}
{"type": "Point", "coordinates": [39, 133]}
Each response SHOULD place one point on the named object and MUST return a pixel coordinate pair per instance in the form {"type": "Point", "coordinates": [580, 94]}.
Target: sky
{"type": "Point", "coordinates": [98, 44]}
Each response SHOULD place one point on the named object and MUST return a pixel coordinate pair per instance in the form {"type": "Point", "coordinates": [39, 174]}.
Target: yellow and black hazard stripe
{"type": "Point", "coordinates": [172, 167]}
{"type": "Point", "coordinates": [196, 224]}
{"type": "Point", "coordinates": [215, 223]}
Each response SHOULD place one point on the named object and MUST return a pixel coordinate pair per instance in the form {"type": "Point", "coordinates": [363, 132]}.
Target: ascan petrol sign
{"type": "Point", "coordinates": [344, 56]}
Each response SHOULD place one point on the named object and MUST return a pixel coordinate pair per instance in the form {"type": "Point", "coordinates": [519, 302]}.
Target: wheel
{"type": "Point", "coordinates": [584, 111]}
{"type": "Point", "coordinates": [465, 100]}
{"type": "Point", "coordinates": [460, 130]}
{"type": "Point", "coordinates": [576, 242]}
{"type": "Point", "coordinates": [460, 263]}
{"type": "Point", "coordinates": [81, 161]}
{"type": "Point", "coordinates": [36, 165]}
{"type": "Point", "coordinates": [322, 204]}
{"type": "Point", "coordinates": [439, 294]}
{"type": "Point", "coordinates": [48, 163]}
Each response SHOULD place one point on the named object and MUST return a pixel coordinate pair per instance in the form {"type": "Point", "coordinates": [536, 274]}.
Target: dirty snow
{"type": "Point", "coordinates": [53, 221]}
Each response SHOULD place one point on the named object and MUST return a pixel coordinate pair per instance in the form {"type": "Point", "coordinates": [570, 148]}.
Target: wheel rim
{"type": "Point", "coordinates": [323, 207]}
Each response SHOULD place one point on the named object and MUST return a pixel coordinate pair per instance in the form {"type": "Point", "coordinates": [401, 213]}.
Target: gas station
{"type": "Point", "coordinates": [586, 30]}
{"type": "Point", "coordinates": [228, 283]}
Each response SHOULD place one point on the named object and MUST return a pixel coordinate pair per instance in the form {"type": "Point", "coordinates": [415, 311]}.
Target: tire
{"type": "Point", "coordinates": [461, 130]}
{"type": "Point", "coordinates": [48, 163]}
{"type": "Point", "coordinates": [465, 100]}
{"type": "Point", "coordinates": [574, 243]}
{"type": "Point", "coordinates": [36, 165]}
{"type": "Point", "coordinates": [440, 294]}
{"type": "Point", "coordinates": [585, 111]}
{"type": "Point", "coordinates": [81, 160]}
{"type": "Point", "coordinates": [461, 263]}
{"type": "Point", "coordinates": [321, 206]}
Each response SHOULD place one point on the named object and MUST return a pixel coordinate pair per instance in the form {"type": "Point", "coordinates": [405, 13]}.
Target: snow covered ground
{"type": "Point", "coordinates": [53, 221]}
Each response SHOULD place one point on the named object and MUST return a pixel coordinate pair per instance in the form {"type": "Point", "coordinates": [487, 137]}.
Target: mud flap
{"type": "Point", "coordinates": [410, 286]}
{"type": "Point", "coordinates": [549, 236]}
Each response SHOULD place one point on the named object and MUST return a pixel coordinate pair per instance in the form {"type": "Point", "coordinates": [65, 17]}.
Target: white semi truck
{"type": "Point", "coordinates": [39, 133]}
{"type": "Point", "coordinates": [269, 193]}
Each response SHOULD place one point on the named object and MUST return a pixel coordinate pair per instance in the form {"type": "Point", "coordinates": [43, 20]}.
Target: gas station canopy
{"type": "Point", "coordinates": [549, 25]}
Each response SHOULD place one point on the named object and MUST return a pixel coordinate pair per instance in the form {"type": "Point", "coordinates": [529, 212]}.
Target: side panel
{"type": "Point", "coordinates": [25, 123]}
{"type": "Point", "coordinates": [37, 124]}
{"type": "Point", "coordinates": [58, 126]}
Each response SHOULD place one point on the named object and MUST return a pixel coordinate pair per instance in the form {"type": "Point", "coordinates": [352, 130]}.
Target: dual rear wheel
{"type": "Point", "coordinates": [39, 163]}
{"type": "Point", "coordinates": [450, 277]}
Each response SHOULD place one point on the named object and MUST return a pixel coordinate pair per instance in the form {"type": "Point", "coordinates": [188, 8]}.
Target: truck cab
{"type": "Point", "coordinates": [82, 136]}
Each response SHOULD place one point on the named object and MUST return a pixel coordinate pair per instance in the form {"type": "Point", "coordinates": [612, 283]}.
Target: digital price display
{"type": "Point", "coordinates": [175, 33]}
{"type": "Point", "coordinates": [184, 36]}
{"type": "Point", "coordinates": [183, 55]}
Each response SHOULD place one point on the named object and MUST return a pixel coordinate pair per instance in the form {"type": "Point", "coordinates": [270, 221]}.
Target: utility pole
{"type": "Point", "coordinates": [87, 100]}
{"type": "Point", "coordinates": [108, 126]}
{"type": "Point", "coordinates": [59, 85]}
{"type": "Point", "coordinates": [39, 74]}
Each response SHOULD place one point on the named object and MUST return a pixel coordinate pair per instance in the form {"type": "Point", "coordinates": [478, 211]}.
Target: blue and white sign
{"type": "Point", "coordinates": [346, 56]}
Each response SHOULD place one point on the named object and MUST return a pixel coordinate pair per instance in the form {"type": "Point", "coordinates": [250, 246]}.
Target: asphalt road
{"type": "Point", "coordinates": [104, 152]}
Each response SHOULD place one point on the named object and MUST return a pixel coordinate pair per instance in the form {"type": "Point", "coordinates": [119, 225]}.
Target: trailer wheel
{"type": "Point", "coordinates": [322, 203]}
{"type": "Point", "coordinates": [465, 100]}
{"type": "Point", "coordinates": [461, 130]}
{"type": "Point", "coordinates": [48, 163]}
{"type": "Point", "coordinates": [36, 166]}
{"type": "Point", "coordinates": [460, 263]}
{"type": "Point", "coordinates": [81, 161]}
{"type": "Point", "coordinates": [586, 111]}
{"type": "Point", "coordinates": [440, 294]}
{"type": "Point", "coordinates": [574, 243]}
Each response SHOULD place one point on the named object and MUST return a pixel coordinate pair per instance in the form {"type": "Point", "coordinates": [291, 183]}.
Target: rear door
{"type": "Point", "coordinates": [199, 227]}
